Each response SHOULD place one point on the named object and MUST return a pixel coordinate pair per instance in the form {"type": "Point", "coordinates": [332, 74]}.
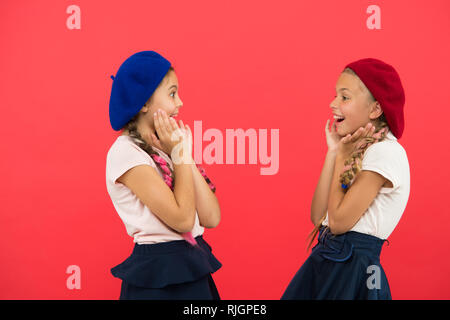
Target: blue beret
{"type": "Point", "coordinates": [135, 81]}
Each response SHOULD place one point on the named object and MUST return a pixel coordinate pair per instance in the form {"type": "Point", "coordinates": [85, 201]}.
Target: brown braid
{"type": "Point", "coordinates": [355, 159]}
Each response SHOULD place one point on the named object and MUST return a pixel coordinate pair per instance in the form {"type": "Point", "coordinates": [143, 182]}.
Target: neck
{"type": "Point", "coordinates": [143, 130]}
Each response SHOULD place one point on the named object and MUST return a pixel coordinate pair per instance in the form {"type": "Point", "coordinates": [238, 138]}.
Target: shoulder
{"type": "Point", "coordinates": [122, 145]}
{"type": "Point", "coordinates": [123, 156]}
{"type": "Point", "coordinates": [387, 150]}
{"type": "Point", "coordinates": [124, 150]}
{"type": "Point", "coordinates": [388, 158]}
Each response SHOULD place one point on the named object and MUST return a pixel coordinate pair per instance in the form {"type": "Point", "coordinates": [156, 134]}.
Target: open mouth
{"type": "Point", "coordinates": [338, 118]}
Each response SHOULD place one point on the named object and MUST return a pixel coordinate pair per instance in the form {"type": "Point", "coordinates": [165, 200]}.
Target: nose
{"type": "Point", "coordinates": [333, 105]}
{"type": "Point", "coordinates": [180, 103]}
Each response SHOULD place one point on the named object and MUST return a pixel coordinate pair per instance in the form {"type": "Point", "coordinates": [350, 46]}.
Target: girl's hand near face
{"type": "Point", "coordinates": [351, 142]}
{"type": "Point", "coordinates": [169, 133]}
{"type": "Point", "coordinates": [187, 141]}
{"type": "Point", "coordinates": [332, 136]}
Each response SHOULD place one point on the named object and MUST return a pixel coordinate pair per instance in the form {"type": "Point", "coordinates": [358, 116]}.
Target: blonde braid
{"type": "Point", "coordinates": [353, 165]}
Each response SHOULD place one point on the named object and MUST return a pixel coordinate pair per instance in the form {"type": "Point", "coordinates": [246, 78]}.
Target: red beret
{"type": "Point", "coordinates": [384, 83]}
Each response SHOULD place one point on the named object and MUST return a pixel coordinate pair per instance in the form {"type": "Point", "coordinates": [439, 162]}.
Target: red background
{"type": "Point", "coordinates": [240, 64]}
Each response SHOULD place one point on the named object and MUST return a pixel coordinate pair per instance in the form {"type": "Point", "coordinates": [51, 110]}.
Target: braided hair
{"type": "Point", "coordinates": [353, 165]}
{"type": "Point", "coordinates": [134, 134]}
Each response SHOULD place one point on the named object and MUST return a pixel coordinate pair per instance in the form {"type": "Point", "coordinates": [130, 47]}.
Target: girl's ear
{"type": "Point", "coordinates": [376, 110]}
{"type": "Point", "coordinates": [146, 108]}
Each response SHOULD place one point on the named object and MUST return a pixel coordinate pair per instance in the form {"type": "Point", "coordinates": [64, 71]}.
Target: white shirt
{"type": "Point", "coordinates": [389, 159]}
{"type": "Point", "coordinates": [140, 223]}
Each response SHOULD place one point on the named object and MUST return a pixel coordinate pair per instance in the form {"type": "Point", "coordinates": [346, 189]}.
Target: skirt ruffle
{"type": "Point", "coordinates": [342, 267]}
{"type": "Point", "coordinates": [168, 263]}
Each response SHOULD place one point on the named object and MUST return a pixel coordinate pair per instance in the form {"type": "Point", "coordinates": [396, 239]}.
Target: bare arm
{"type": "Point", "coordinates": [319, 203]}
{"type": "Point", "coordinates": [208, 208]}
{"type": "Point", "coordinates": [345, 209]}
{"type": "Point", "coordinates": [321, 194]}
{"type": "Point", "coordinates": [177, 208]}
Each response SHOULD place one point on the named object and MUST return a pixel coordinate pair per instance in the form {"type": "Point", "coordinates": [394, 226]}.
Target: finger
{"type": "Point", "coordinates": [357, 134]}
{"type": "Point", "coordinates": [372, 131]}
{"type": "Point", "coordinates": [363, 132]}
{"type": "Point", "coordinates": [162, 123]}
{"type": "Point", "coordinates": [155, 141]}
{"type": "Point", "coordinates": [327, 125]}
{"type": "Point", "coordinates": [353, 136]}
{"type": "Point", "coordinates": [167, 122]}
{"type": "Point", "coordinates": [183, 128]}
{"type": "Point", "coordinates": [157, 123]}
{"type": "Point", "coordinates": [182, 125]}
{"type": "Point", "coordinates": [347, 138]}
{"type": "Point", "coordinates": [367, 129]}
{"type": "Point", "coordinates": [189, 130]}
{"type": "Point", "coordinates": [173, 123]}
{"type": "Point", "coordinates": [188, 133]}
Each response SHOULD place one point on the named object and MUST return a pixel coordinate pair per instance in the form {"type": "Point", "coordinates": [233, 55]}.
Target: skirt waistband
{"type": "Point", "coordinates": [341, 247]}
{"type": "Point", "coordinates": [167, 247]}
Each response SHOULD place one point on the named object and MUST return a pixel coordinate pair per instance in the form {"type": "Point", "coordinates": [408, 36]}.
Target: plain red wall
{"type": "Point", "coordinates": [240, 64]}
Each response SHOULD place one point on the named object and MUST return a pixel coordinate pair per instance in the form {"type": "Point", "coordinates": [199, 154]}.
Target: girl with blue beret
{"type": "Point", "coordinates": [164, 204]}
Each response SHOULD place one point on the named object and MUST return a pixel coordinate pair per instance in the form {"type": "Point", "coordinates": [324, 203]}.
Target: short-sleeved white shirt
{"type": "Point", "coordinates": [140, 223]}
{"type": "Point", "coordinates": [389, 159]}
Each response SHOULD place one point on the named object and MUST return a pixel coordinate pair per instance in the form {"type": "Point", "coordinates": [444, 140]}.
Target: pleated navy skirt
{"type": "Point", "coordinates": [173, 270]}
{"type": "Point", "coordinates": [341, 267]}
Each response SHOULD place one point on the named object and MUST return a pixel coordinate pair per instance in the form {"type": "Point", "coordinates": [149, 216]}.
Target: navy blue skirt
{"type": "Point", "coordinates": [173, 270]}
{"type": "Point", "coordinates": [341, 267]}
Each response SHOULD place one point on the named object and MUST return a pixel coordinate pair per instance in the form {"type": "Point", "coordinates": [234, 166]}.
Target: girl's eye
{"type": "Point", "coordinates": [172, 94]}
{"type": "Point", "coordinates": [343, 97]}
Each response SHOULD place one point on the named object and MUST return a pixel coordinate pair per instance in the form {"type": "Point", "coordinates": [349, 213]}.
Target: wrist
{"type": "Point", "coordinates": [332, 152]}
{"type": "Point", "coordinates": [183, 160]}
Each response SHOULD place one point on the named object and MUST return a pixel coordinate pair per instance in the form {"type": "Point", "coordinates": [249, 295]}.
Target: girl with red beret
{"type": "Point", "coordinates": [363, 188]}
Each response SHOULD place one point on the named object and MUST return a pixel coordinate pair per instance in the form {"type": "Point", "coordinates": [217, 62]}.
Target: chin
{"type": "Point", "coordinates": [340, 132]}
{"type": "Point", "coordinates": [345, 132]}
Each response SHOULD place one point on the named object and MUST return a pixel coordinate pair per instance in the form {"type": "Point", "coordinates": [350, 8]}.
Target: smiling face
{"type": "Point", "coordinates": [165, 97]}
{"type": "Point", "coordinates": [353, 104]}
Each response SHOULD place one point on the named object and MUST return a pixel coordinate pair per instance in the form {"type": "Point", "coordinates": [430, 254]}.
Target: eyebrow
{"type": "Point", "coordinates": [174, 85]}
{"type": "Point", "coordinates": [342, 89]}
